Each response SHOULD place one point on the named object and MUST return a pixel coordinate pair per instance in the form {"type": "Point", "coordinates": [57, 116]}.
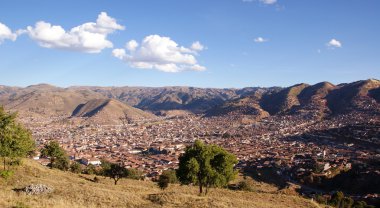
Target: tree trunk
{"type": "Point", "coordinates": [4, 162]}
{"type": "Point", "coordinates": [200, 188]}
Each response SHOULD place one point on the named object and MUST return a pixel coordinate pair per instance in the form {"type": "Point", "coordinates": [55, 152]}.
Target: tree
{"type": "Point", "coordinates": [116, 172]}
{"type": "Point", "coordinates": [206, 165]}
{"type": "Point", "coordinates": [58, 158]}
{"type": "Point", "coordinates": [15, 140]}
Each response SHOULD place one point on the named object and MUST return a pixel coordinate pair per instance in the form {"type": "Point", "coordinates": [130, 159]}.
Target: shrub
{"type": "Point", "coordinates": [6, 174]}
{"type": "Point", "coordinates": [171, 174]}
{"type": "Point", "coordinates": [245, 186]}
{"type": "Point", "coordinates": [75, 167]}
{"type": "Point", "coordinates": [163, 181]}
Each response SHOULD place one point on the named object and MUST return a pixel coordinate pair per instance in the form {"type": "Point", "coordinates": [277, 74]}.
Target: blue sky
{"type": "Point", "coordinates": [214, 43]}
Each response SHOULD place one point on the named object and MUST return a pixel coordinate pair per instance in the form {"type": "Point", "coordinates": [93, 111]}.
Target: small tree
{"type": "Point", "coordinates": [116, 172]}
{"type": "Point", "coordinates": [15, 140]}
{"type": "Point", "coordinates": [206, 165]}
{"type": "Point", "coordinates": [58, 158]}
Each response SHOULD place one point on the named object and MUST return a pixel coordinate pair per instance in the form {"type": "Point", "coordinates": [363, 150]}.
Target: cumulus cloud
{"type": "Point", "coordinates": [161, 53]}
{"type": "Point", "coordinates": [260, 40]}
{"type": "Point", "coordinates": [333, 43]}
{"type": "Point", "coordinates": [89, 37]}
{"type": "Point", "coordinates": [6, 33]}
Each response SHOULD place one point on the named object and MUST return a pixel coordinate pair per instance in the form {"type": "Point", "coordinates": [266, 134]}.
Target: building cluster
{"type": "Point", "coordinates": [295, 146]}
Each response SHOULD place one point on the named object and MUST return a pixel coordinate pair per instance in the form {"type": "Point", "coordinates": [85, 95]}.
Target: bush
{"type": "Point", "coordinates": [245, 186]}
{"type": "Point", "coordinates": [336, 199]}
{"type": "Point", "coordinates": [96, 179]}
{"type": "Point", "coordinates": [320, 199]}
{"type": "Point", "coordinates": [90, 169]}
{"type": "Point", "coordinates": [6, 174]}
{"type": "Point", "coordinates": [163, 181]}
{"type": "Point", "coordinates": [61, 163]}
{"type": "Point", "coordinates": [171, 174]}
{"type": "Point", "coordinates": [75, 167]}
{"type": "Point", "coordinates": [135, 174]}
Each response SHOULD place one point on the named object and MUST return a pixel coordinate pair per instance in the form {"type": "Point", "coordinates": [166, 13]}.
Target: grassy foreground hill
{"type": "Point", "coordinates": [74, 191]}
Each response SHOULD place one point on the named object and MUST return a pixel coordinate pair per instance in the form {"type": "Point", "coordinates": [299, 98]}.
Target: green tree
{"type": "Point", "coordinates": [58, 157]}
{"type": "Point", "coordinates": [15, 140]}
{"type": "Point", "coordinates": [116, 172]}
{"type": "Point", "coordinates": [206, 165]}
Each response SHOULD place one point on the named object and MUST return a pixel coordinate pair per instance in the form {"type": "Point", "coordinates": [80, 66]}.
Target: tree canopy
{"type": "Point", "coordinates": [114, 171]}
{"type": "Point", "coordinates": [58, 157]}
{"type": "Point", "coordinates": [206, 165]}
{"type": "Point", "coordinates": [15, 140]}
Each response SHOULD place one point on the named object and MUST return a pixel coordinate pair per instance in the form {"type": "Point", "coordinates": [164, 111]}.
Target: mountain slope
{"type": "Point", "coordinates": [78, 191]}
{"type": "Point", "coordinates": [355, 96]}
{"type": "Point", "coordinates": [109, 111]}
{"type": "Point", "coordinates": [45, 100]}
{"type": "Point", "coordinates": [248, 105]}
{"type": "Point", "coordinates": [283, 100]}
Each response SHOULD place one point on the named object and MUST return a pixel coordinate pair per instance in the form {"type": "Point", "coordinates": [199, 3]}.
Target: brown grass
{"type": "Point", "coordinates": [75, 191]}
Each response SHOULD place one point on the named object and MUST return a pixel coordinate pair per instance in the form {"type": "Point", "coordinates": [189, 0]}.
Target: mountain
{"type": "Point", "coordinates": [196, 100]}
{"type": "Point", "coordinates": [109, 111]}
{"type": "Point", "coordinates": [248, 105]}
{"type": "Point", "coordinates": [356, 96]}
{"type": "Point", "coordinates": [283, 100]}
{"type": "Point", "coordinates": [312, 99]}
{"type": "Point", "coordinates": [45, 100]}
{"type": "Point", "coordinates": [321, 99]}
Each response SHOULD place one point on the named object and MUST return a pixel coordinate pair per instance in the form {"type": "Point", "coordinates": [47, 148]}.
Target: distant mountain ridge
{"type": "Point", "coordinates": [81, 101]}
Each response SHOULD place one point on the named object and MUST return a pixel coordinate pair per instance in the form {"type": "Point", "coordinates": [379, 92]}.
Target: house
{"type": "Point", "coordinates": [92, 161]}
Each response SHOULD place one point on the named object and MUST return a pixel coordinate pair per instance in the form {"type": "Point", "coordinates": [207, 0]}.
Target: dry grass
{"type": "Point", "coordinates": [74, 191]}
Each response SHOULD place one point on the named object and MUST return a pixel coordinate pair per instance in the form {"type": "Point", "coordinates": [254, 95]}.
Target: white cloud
{"type": "Point", "coordinates": [262, 1]}
{"type": "Point", "coordinates": [89, 37]}
{"type": "Point", "coordinates": [268, 1]}
{"type": "Point", "coordinates": [6, 33]}
{"type": "Point", "coordinates": [161, 53]}
{"type": "Point", "coordinates": [131, 45]}
{"type": "Point", "coordinates": [260, 40]}
{"type": "Point", "coordinates": [197, 46]}
{"type": "Point", "coordinates": [333, 43]}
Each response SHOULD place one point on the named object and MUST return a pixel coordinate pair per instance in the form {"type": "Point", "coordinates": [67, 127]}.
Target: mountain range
{"type": "Point", "coordinates": [112, 103]}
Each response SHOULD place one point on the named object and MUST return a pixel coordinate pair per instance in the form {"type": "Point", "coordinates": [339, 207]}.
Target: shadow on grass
{"type": "Point", "coordinates": [266, 175]}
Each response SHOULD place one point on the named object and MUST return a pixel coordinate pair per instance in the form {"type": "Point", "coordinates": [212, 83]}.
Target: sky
{"type": "Point", "coordinates": [200, 43]}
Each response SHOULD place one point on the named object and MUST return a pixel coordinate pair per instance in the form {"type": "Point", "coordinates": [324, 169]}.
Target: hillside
{"type": "Point", "coordinates": [322, 99]}
{"type": "Point", "coordinates": [44, 100]}
{"type": "Point", "coordinates": [77, 191]}
{"type": "Point", "coordinates": [109, 111]}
